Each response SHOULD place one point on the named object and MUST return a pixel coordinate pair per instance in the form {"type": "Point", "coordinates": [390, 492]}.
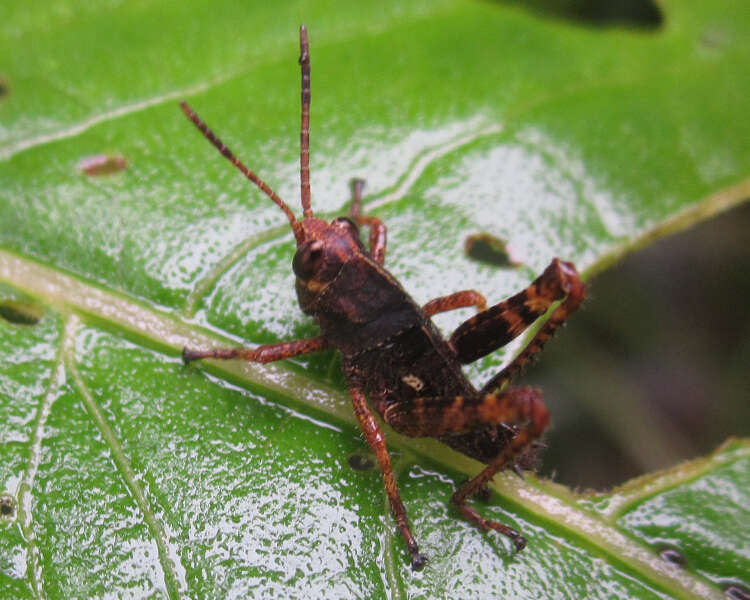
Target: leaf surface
{"type": "Point", "coordinates": [125, 474]}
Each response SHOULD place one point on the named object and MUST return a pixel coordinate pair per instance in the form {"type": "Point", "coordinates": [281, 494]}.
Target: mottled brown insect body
{"type": "Point", "coordinates": [394, 356]}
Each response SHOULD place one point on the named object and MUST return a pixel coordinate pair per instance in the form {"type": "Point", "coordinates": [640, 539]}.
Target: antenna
{"type": "Point", "coordinates": [304, 155]}
{"type": "Point", "coordinates": [227, 153]}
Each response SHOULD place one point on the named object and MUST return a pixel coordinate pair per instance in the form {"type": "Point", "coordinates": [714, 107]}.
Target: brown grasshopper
{"type": "Point", "coordinates": [392, 353]}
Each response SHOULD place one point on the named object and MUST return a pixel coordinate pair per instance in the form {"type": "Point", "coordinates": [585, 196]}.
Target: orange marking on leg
{"type": "Point", "coordinates": [456, 300]}
{"type": "Point", "coordinates": [526, 405]}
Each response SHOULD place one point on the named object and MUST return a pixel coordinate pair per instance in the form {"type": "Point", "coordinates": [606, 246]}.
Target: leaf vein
{"type": "Point", "coordinates": [174, 571]}
{"type": "Point", "coordinates": [35, 456]}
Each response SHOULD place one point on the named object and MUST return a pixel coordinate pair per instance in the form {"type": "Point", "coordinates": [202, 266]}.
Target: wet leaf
{"type": "Point", "coordinates": [130, 475]}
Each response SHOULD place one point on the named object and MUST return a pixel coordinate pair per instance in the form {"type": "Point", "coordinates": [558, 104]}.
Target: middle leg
{"type": "Point", "coordinates": [376, 440]}
{"type": "Point", "coordinates": [377, 227]}
{"type": "Point", "coordinates": [462, 299]}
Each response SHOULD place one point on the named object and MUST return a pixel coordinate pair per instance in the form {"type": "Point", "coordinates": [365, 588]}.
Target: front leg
{"type": "Point", "coordinates": [261, 354]}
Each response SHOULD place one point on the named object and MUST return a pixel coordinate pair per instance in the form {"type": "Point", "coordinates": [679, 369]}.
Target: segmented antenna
{"type": "Point", "coordinates": [227, 153]}
{"type": "Point", "coordinates": [304, 156]}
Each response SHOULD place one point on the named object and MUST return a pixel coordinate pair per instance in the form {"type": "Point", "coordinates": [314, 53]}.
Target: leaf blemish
{"type": "Point", "coordinates": [713, 39]}
{"type": "Point", "coordinates": [7, 506]}
{"type": "Point", "coordinates": [20, 313]}
{"type": "Point", "coordinates": [674, 556]}
{"type": "Point", "coordinates": [489, 249]}
{"type": "Point", "coordinates": [102, 164]}
{"type": "Point", "coordinates": [359, 462]}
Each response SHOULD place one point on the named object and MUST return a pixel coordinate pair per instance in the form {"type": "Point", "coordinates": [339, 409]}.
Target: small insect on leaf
{"type": "Point", "coordinates": [395, 361]}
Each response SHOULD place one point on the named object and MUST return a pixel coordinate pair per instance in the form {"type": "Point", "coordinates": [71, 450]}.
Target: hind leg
{"type": "Point", "coordinates": [458, 422]}
{"type": "Point", "coordinates": [531, 411]}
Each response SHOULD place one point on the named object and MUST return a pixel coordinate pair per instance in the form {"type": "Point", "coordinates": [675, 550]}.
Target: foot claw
{"type": "Point", "coordinates": [418, 561]}
{"type": "Point", "coordinates": [188, 355]}
{"type": "Point", "coordinates": [518, 471]}
{"type": "Point", "coordinates": [519, 542]}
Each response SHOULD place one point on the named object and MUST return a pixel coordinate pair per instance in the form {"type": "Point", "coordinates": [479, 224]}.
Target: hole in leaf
{"type": "Point", "coordinates": [4, 88]}
{"type": "Point", "coordinates": [358, 462]}
{"type": "Point", "coordinates": [7, 505]}
{"type": "Point", "coordinates": [20, 313]}
{"type": "Point", "coordinates": [643, 14]}
{"type": "Point", "coordinates": [489, 249]}
{"type": "Point", "coordinates": [102, 164]}
{"type": "Point", "coordinates": [674, 556]}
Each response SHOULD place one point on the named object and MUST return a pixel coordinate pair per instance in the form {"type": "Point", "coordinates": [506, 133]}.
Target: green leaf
{"type": "Point", "coordinates": [125, 474]}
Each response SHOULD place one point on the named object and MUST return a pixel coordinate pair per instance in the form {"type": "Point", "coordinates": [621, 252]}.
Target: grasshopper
{"type": "Point", "coordinates": [391, 352]}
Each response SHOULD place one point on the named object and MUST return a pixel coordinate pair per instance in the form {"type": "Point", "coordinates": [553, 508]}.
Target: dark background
{"type": "Point", "coordinates": [654, 368]}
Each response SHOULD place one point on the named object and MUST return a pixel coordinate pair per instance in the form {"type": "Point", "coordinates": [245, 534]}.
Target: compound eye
{"type": "Point", "coordinates": [307, 259]}
{"type": "Point", "coordinates": [346, 223]}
